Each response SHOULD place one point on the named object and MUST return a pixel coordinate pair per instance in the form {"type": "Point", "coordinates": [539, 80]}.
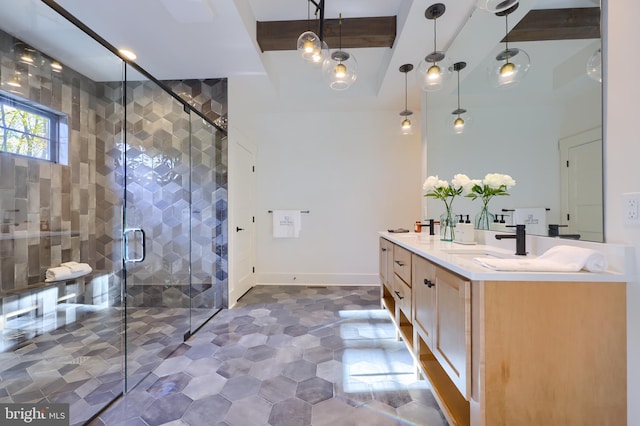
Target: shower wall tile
{"type": "Point", "coordinates": [51, 217]}
{"type": "Point", "coordinates": [174, 162]}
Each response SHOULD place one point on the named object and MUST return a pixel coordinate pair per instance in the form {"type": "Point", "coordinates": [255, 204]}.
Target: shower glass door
{"type": "Point", "coordinates": [206, 296]}
{"type": "Point", "coordinates": [157, 225]}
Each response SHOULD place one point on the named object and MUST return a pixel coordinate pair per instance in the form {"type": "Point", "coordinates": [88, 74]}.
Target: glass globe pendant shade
{"type": "Point", "coordinates": [458, 125]}
{"type": "Point", "coordinates": [340, 70]}
{"type": "Point", "coordinates": [319, 55]}
{"type": "Point", "coordinates": [308, 45]}
{"type": "Point", "coordinates": [594, 66]}
{"type": "Point", "coordinates": [433, 74]}
{"type": "Point", "coordinates": [494, 6]}
{"type": "Point", "coordinates": [405, 127]}
{"type": "Point", "coordinates": [459, 121]}
{"type": "Point", "coordinates": [510, 68]}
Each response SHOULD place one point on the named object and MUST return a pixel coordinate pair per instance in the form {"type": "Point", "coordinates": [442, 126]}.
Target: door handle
{"type": "Point", "coordinates": [238, 229]}
{"type": "Point", "coordinates": [126, 234]}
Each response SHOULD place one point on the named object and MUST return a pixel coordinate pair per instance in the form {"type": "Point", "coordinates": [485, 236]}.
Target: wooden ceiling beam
{"type": "Point", "coordinates": [356, 32]}
{"type": "Point", "coordinates": [558, 24]}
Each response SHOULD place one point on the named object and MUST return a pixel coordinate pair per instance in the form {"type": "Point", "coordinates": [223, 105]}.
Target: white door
{"type": "Point", "coordinates": [242, 218]}
{"type": "Point", "coordinates": [581, 175]}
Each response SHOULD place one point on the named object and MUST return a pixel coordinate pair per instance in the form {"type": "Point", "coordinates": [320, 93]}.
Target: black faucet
{"type": "Point", "coordinates": [555, 232]}
{"type": "Point", "coordinates": [431, 226]}
{"type": "Point", "coordinates": [520, 237]}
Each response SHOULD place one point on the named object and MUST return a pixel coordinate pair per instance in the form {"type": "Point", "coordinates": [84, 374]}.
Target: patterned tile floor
{"type": "Point", "coordinates": [286, 355]}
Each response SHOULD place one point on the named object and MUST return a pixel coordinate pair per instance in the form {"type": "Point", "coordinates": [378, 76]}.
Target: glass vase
{"type": "Point", "coordinates": [447, 226]}
{"type": "Point", "coordinates": [484, 218]}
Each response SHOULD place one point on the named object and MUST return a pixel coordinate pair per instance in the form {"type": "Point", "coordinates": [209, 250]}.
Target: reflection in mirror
{"type": "Point", "coordinates": [546, 132]}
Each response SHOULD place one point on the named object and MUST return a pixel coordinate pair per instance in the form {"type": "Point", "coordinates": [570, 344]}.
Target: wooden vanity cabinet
{"type": "Point", "coordinates": [511, 353]}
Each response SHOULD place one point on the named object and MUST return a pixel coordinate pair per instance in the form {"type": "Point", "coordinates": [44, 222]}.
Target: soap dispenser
{"type": "Point", "coordinates": [465, 234]}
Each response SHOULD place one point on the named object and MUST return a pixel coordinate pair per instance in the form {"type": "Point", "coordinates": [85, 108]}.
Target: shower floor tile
{"type": "Point", "coordinates": [286, 355]}
{"type": "Point", "coordinates": [82, 363]}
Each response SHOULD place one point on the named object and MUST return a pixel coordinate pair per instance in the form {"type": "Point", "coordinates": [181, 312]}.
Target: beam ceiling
{"type": "Point", "coordinates": [356, 32]}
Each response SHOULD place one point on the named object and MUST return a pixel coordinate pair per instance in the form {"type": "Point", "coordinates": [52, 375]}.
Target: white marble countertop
{"type": "Point", "coordinates": [458, 258]}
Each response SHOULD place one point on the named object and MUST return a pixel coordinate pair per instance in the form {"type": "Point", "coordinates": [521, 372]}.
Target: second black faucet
{"type": "Point", "coordinates": [520, 236]}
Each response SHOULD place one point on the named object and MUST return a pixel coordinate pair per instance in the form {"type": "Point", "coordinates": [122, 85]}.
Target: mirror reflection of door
{"type": "Point", "coordinates": [581, 189]}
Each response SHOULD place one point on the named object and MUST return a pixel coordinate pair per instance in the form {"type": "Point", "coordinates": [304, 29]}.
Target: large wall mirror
{"type": "Point", "coordinates": [546, 132]}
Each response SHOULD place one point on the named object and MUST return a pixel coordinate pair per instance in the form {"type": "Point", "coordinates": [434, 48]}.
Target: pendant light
{"type": "Point", "coordinates": [433, 71]}
{"type": "Point", "coordinates": [594, 66]}
{"type": "Point", "coordinates": [309, 43]}
{"type": "Point", "coordinates": [461, 120]}
{"type": "Point", "coordinates": [494, 6]}
{"type": "Point", "coordinates": [340, 68]}
{"type": "Point", "coordinates": [405, 125]}
{"type": "Point", "coordinates": [512, 63]}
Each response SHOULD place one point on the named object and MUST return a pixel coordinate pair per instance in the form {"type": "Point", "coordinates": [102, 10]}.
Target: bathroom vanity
{"type": "Point", "coordinates": [509, 348]}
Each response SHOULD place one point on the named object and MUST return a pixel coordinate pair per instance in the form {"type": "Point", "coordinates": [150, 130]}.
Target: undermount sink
{"type": "Point", "coordinates": [471, 252]}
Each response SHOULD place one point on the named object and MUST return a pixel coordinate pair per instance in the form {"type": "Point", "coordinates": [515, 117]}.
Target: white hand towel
{"type": "Point", "coordinates": [578, 257]}
{"type": "Point", "coordinates": [535, 219]}
{"type": "Point", "coordinates": [286, 223]}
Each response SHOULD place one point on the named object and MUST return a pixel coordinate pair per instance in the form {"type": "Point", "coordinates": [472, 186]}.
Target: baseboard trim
{"type": "Point", "coordinates": [318, 279]}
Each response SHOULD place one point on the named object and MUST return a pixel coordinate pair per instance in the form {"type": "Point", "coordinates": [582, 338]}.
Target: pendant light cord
{"type": "Point", "coordinates": [458, 93]}
{"type": "Point", "coordinates": [506, 36]}
{"type": "Point", "coordinates": [405, 91]}
{"type": "Point", "coordinates": [435, 34]}
{"type": "Point", "coordinates": [340, 34]}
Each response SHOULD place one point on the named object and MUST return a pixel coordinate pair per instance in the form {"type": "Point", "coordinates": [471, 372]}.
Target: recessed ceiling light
{"type": "Point", "coordinates": [128, 54]}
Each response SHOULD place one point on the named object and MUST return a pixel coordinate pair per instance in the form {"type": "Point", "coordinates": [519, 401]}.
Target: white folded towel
{"type": "Point", "coordinates": [556, 259]}
{"type": "Point", "coordinates": [286, 223]}
{"type": "Point", "coordinates": [77, 267]}
{"type": "Point", "coordinates": [67, 271]}
{"type": "Point", "coordinates": [577, 257]}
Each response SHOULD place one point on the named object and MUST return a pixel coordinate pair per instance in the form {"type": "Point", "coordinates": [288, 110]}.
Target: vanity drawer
{"type": "Point", "coordinates": [402, 293]}
{"type": "Point", "coordinates": [402, 263]}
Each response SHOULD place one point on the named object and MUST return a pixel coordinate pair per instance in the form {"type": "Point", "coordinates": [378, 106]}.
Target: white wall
{"type": "Point", "coordinates": [348, 166]}
{"type": "Point", "coordinates": [622, 174]}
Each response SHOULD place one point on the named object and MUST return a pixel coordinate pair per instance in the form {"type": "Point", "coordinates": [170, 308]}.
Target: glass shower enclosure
{"type": "Point", "coordinates": [136, 191]}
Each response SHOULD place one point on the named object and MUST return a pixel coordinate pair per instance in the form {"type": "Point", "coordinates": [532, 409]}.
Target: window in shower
{"type": "Point", "coordinates": [30, 130]}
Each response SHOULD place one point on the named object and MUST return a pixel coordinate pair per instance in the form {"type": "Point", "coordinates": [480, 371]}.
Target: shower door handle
{"type": "Point", "coordinates": [142, 238]}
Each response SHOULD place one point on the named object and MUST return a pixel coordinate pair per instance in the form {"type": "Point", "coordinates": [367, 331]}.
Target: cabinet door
{"type": "Point", "coordinates": [424, 298]}
{"type": "Point", "coordinates": [453, 334]}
